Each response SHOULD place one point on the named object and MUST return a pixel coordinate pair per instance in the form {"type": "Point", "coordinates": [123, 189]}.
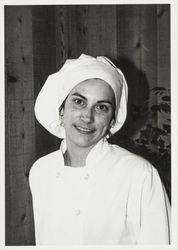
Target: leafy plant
{"type": "Point", "coordinates": [153, 140]}
{"type": "Point", "coordinates": [156, 137]}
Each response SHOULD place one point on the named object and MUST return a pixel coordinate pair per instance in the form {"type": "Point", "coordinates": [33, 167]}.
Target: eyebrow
{"type": "Point", "coordinates": [100, 101]}
{"type": "Point", "coordinates": [79, 95]}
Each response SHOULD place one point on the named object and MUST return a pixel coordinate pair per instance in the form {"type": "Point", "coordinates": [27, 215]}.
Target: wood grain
{"type": "Point", "coordinates": [38, 40]}
{"type": "Point", "coordinates": [20, 129]}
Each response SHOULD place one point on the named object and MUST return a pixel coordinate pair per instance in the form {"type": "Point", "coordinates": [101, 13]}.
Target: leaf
{"type": "Point", "coordinates": [159, 131]}
{"type": "Point", "coordinates": [155, 108]}
{"type": "Point", "coordinates": [161, 150]}
{"type": "Point", "coordinates": [159, 92]}
{"type": "Point", "coordinates": [166, 98]}
{"type": "Point", "coordinates": [154, 140]}
{"type": "Point", "coordinates": [167, 127]}
{"type": "Point", "coordinates": [145, 134]}
{"type": "Point", "coordinates": [161, 143]}
{"type": "Point", "coordinates": [165, 107]}
{"type": "Point", "coordinates": [158, 89]}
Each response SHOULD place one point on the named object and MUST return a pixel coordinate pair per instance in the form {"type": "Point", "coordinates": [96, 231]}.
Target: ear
{"type": "Point", "coordinates": [61, 112]}
{"type": "Point", "coordinates": [112, 122]}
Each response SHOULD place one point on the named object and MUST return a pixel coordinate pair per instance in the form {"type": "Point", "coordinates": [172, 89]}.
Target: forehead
{"type": "Point", "coordinates": [94, 87]}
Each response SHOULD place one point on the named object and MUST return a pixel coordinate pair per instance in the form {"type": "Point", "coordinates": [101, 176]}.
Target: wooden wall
{"type": "Point", "coordinates": [20, 126]}
{"type": "Point", "coordinates": [38, 40]}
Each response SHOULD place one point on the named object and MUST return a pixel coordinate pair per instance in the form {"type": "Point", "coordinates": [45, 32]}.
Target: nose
{"type": "Point", "coordinates": [87, 115]}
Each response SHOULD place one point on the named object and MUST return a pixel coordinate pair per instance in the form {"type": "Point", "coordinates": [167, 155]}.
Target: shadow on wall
{"type": "Point", "coordinates": [138, 95]}
{"type": "Point", "coordinates": [153, 141]}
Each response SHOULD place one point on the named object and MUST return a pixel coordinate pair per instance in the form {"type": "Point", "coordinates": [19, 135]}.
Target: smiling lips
{"type": "Point", "coordinates": [84, 130]}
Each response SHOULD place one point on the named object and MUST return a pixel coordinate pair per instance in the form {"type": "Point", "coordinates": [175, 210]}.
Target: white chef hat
{"type": "Point", "coordinates": [58, 86]}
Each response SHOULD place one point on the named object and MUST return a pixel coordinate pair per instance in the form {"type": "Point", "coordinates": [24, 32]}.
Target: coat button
{"type": "Point", "coordinates": [87, 176]}
{"type": "Point", "coordinates": [77, 212]}
{"type": "Point", "coordinates": [58, 174]}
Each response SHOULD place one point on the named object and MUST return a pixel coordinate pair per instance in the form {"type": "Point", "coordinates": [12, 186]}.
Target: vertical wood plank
{"type": "Point", "coordinates": [149, 43]}
{"type": "Point", "coordinates": [137, 58]}
{"type": "Point", "coordinates": [97, 30]}
{"type": "Point", "coordinates": [20, 132]}
{"type": "Point", "coordinates": [163, 45]}
{"type": "Point", "coordinates": [63, 16]}
{"type": "Point", "coordinates": [88, 29]}
{"type": "Point", "coordinates": [149, 52]}
{"type": "Point", "coordinates": [44, 59]}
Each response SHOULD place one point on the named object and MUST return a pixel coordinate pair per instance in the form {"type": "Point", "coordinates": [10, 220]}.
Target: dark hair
{"type": "Point", "coordinates": [62, 107]}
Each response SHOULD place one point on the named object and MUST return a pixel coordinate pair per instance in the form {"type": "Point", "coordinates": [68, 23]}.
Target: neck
{"type": "Point", "coordinates": [76, 156]}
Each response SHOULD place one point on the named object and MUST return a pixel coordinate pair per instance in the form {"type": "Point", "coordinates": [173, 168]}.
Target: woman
{"type": "Point", "coordinates": [89, 191]}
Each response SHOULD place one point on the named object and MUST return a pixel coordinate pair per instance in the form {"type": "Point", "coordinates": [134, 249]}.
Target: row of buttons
{"type": "Point", "coordinates": [77, 212]}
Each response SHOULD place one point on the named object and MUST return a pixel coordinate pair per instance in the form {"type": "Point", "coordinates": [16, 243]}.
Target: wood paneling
{"type": "Point", "coordinates": [163, 45]}
{"type": "Point", "coordinates": [96, 30]}
{"type": "Point", "coordinates": [20, 128]}
{"type": "Point", "coordinates": [38, 41]}
{"type": "Point", "coordinates": [163, 52]}
{"type": "Point", "coordinates": [86, 29]}
{"type": "Point", "coordinates": [135, 50]}
{"type": "Point", "coordinates": [44, 61]}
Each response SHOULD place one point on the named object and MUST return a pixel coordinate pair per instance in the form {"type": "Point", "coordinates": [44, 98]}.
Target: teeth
{"type": "Point", "coordinates": [84, 129]}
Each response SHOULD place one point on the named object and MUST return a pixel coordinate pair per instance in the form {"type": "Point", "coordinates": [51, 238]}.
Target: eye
{"type": "Point", "coordinates": [78, 101]}
{"type": "Point", "coordinates": [102, 108]}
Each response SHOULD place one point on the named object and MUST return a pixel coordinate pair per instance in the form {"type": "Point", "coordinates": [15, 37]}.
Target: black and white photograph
{"type": "Point", "coordinates": [88, 108]}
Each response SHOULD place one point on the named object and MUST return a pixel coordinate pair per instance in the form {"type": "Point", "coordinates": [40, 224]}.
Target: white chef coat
{"type": "Point", "coordinates": [116, 198]}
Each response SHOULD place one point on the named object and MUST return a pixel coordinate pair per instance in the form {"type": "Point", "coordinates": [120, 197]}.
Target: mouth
{"type": "Point", "coordinates": [83, 130]}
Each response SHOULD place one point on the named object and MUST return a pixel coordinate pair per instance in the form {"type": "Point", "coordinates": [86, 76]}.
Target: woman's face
{"type": "Point", "coordinates": [88, 112]}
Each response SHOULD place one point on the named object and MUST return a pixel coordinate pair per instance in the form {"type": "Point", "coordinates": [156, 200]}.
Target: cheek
{"type": "Point", "coordinates": [103, 122]}
{"type": "Point", "coordinates": [70, 115]}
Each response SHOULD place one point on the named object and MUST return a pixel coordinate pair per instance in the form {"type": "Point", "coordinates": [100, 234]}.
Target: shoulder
{"type": "Point", "coordinates": [135, 171]}
{"type": "Point", "coordinates": [44, 165]}
{"type": "Point", "coordinates": [129, 161]}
